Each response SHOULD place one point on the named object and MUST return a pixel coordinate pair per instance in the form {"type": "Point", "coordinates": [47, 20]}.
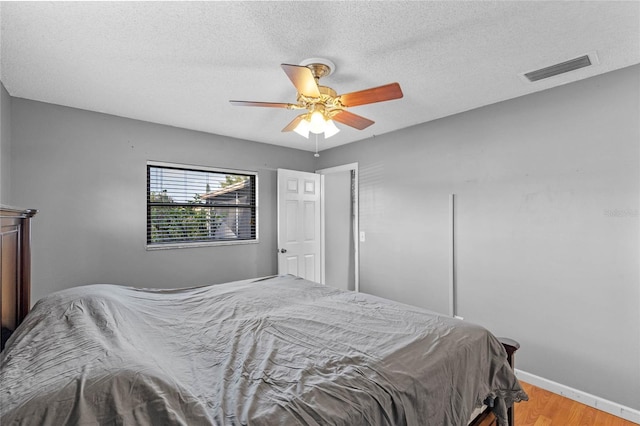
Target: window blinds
{"type": "Point", "coordinates": [192, 205]}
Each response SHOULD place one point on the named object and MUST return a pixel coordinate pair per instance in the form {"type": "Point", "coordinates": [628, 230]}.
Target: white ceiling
{"type": "Point", "coordinates": [179, 63]}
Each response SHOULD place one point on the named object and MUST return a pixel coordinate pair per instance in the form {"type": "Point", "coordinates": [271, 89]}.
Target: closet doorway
{"type": "Point", "coordinates": [339, 224]}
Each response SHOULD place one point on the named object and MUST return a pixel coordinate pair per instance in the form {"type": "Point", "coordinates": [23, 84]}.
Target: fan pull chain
{"type": "Point", "coordinates": [316, 154]}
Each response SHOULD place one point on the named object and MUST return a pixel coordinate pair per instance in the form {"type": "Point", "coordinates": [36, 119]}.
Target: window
{"type": "Point", "coordinates": [190, 206]}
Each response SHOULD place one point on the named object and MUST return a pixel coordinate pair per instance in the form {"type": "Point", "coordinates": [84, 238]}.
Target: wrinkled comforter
{"type": "Point", "coordinates": [276, 351]}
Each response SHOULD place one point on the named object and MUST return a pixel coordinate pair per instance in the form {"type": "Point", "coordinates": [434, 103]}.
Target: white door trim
{"type": "Point", "coordinates": [356, 215]}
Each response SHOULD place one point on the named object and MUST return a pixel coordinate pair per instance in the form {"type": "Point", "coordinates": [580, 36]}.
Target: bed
{"type": "Point", "coordinates": [273, 351]}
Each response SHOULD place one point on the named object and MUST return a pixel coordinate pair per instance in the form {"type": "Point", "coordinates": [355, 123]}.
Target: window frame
{"type": "Point", "coordinates": [193, 244]}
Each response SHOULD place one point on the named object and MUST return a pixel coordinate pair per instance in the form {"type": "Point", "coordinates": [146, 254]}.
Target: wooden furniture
{"type": "Point", "coordinates": [15, 251]}
{"type": "Point", "coordinates": [510, 346]}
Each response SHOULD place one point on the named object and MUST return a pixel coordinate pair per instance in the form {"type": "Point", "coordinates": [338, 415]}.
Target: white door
{"type": "Point", "coordinates": [299, 224]}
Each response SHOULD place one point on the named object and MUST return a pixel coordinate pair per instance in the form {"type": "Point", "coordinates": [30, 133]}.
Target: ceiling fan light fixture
{"type": "Point", "coordinates": [303, 128]}
{"type": "Point", "coordinates": [317, 122]}
{"type": "Point", "coordinates": [330, 129]}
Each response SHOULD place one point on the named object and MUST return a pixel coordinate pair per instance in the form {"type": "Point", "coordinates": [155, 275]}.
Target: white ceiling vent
{"type": "Point", "coordinates": [561, 68]}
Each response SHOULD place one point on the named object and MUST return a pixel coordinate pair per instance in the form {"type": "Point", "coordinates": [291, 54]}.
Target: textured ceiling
{"type": "Point", "coordinates": [179, 63]}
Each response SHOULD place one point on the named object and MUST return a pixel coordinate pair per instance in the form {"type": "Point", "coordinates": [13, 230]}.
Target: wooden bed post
{"type": "Point", "coordinates": [24, 288]}
{"type": "Point", "coordinates": [511, 346]}
{"type": "Point", "coordinates": [15, 251]}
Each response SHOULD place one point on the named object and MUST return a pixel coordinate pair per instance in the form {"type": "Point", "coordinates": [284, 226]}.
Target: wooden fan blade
{"type": "Point", "coordinates": [260, 104]}
{"type": "Point", "coordinates": [289, 127]}
{"type": "Point", "coordinates": [369, 96]}
{"type": "Point", "coordinates": [353, 120]}
{"type": "Point", "coordinates": [302, 79]}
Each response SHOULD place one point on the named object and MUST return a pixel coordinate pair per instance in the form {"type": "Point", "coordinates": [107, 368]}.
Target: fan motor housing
{"type": "Point", "coordinates": [328, 100]}
{"type": "Point", "coordinates": [327, 91]}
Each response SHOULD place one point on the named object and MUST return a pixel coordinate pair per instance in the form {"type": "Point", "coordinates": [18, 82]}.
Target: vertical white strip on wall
{"type": "Point", "coordinates": [322, 236]}
{"type": "Point", "coordinates": [452, 257]}
{"type": "Point", "coordinates": [356, 227]}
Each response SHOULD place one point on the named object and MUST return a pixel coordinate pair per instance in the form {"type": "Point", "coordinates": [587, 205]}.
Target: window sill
{"type": "Point", "coordinates": [154, 247]}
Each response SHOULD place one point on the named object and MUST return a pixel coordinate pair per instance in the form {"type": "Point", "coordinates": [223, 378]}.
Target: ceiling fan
{"type": "Point", "coordinates": [322, 103]}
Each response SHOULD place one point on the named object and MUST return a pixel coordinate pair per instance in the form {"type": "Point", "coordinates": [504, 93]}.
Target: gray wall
{"type": "Point", "coordinates": [5, 145]}
{"type": "Point", "coordinates": [547, 189]}
{"type": "Point", "coordinates": [86, 174]}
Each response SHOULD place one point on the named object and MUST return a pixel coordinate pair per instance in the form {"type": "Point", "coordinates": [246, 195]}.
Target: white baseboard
{"type": "Point", "coordinates": [585, 398]}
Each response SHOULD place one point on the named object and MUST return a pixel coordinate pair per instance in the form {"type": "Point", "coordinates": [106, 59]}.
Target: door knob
{"type": "Point", "coordinates": [283, 250]}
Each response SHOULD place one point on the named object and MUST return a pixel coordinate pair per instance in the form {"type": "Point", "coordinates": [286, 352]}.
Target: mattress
{"type": "Point", "coordinates": [274, 351]}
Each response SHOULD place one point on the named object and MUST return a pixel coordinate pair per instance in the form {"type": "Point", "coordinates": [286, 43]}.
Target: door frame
{"type": "Point", "coordinates": [353, 167]}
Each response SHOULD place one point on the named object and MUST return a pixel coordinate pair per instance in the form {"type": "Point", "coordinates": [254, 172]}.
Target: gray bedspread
{"type": "Point", "coordinates": [277, 351]}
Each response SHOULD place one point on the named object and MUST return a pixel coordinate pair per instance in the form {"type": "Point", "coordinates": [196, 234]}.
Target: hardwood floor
{"type": "Point", "coordinates": [549, 409]}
